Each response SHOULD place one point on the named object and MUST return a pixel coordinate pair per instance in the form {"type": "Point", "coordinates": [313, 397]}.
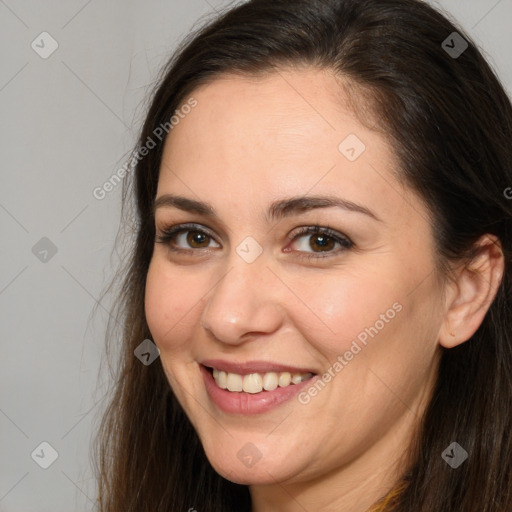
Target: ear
{"type": "Point", "coordinates": [471, 291]}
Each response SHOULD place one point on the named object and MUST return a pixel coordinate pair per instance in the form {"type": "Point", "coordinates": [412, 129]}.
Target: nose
{"type": "Point", "coordinates": [244, 303]}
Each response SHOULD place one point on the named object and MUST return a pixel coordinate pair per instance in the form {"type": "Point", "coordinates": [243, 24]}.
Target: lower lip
{"type": "Point", "coordinates": [249, 403]}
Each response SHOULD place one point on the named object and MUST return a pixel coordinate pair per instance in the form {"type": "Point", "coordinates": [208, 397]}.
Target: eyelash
{"type": "Point", "coordinates": [339, 238]}
{"type": "Point", "coordinates": [169, 233]}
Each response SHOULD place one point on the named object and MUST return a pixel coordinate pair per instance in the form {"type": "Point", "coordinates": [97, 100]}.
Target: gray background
{"type": "Point", "coordinates": [68, 122]}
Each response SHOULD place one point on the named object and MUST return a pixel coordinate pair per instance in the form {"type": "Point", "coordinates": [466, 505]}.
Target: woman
{"type": "Point", "coordinates": [323, 261]}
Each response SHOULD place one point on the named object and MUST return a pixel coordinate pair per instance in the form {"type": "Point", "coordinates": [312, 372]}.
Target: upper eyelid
{"type": "Point", "coordinates": [316, 228]}
{"type": "Point", "coordinates": [184, 227]}
{"type": "Point", "coordinates": [201, 227]}
{"type": "Point", "coordinates": [165, 227]}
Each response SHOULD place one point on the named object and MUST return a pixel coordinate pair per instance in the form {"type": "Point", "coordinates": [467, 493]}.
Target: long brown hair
{"type": "Point", "coordinates": [450, 124]}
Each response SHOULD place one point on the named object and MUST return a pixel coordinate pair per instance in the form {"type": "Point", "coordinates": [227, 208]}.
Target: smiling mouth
{"type": "Point", "coordinates": [256, 382]}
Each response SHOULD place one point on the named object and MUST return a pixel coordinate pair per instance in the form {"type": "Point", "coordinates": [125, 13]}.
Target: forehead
{"type": "Point", "coordinates": [281, 111]}
{"type": "Point", "coordinates": [286, 133]}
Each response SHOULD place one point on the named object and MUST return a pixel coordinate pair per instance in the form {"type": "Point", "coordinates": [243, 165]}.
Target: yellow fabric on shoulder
{"type": "Point", "coordinates": [388, 500]}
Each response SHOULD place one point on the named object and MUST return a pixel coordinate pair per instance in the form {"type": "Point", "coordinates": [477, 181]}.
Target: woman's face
{"type": "Point", "coordinates": [299, 253]}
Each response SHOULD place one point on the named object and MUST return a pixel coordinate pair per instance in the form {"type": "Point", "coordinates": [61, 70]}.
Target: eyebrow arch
{"type": "Point", "coordinates": [277, 210]}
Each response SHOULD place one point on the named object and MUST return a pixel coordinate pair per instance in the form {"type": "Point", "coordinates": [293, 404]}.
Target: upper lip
{"type": "Point", "coordinates": [252, 367]}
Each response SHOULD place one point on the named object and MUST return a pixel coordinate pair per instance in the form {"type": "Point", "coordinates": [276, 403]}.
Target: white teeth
{"type": "Point", "coordinates": [255, 382]}
{"type": "Point", "coordinates": [270, 381]}
{"type": "Point", "coordinates": [284, 379]}
{"type": "Point", "coordinates": [234, 382]}
{"type": "Point", "coordinates": [252, 383]}
{"type": "Point", "coordinates": [222, 380]}
{"type": "Point", "coordinates": [296, 378]}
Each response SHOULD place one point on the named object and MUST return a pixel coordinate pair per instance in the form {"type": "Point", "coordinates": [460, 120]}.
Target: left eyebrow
{"type": "Point", "coordinates": [300, 204]}
{"type": "Point", "coordinates": [277, 210]}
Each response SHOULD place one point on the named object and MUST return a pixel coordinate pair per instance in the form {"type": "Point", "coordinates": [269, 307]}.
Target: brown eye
{"type": "Point", "coordinates": [316, 241]}
{"type": "Point", "coordinates": [322, 243]}
{"type": "Point", "coordinates": [197, 239]}
{"type": "Point", "coordinates": [186, 237]}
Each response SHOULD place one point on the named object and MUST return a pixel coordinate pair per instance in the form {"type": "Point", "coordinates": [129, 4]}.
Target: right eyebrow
{"type": "Point", "coordinates": [185, 204]}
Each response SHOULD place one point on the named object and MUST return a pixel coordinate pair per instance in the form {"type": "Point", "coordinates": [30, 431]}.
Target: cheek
{"type": "Point", "coordinates": [375, 318]}
{"type": "Point", "coordinates": [171, 306]}
{"type": "Point", "coordinates": [335, 309]}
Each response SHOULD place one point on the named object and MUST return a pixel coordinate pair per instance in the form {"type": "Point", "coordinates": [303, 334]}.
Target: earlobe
{"type": "Point", "coordinates": [471, 292]}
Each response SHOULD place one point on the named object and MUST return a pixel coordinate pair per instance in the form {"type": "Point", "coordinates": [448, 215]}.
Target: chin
{"type": "Point", "coordinates": [248, 466]}
{"type": "Point", "coordinates": [248, 475]}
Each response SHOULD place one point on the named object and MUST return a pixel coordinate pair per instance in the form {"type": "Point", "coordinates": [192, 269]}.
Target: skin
{"type": "Point", "coordinates": [251, 141]}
